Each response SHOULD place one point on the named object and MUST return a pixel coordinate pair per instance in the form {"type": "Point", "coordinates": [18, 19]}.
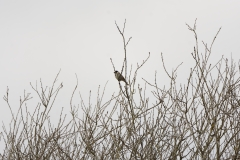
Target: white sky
{"type": "Point", "coordinates": [38, 38]}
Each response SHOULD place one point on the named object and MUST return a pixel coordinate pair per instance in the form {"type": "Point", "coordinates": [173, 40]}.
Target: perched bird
{"type": "Point", "coordinates": [119, 77]}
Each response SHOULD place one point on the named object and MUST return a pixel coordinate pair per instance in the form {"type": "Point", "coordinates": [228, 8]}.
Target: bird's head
{"type": "Point", "coordinates": [115, 72]}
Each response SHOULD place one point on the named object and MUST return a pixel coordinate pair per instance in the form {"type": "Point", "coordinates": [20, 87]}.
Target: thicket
{"type": "Point", "coordinates": [198, 119]}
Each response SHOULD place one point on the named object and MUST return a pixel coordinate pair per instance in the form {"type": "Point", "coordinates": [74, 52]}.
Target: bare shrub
{"type": "Point", "coordinates": [195, 120]}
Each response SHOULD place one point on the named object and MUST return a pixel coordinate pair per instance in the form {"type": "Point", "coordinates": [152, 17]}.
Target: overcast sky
{"type": "Point", "coordinates": [38, 38]}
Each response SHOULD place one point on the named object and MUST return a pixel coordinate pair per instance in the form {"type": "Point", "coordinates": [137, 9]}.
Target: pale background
{"type": "Point", "coordinates": [38, 38]}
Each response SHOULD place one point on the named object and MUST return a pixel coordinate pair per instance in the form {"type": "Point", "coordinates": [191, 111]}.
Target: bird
{"type": "Point", "coordinates": [119, 77]}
